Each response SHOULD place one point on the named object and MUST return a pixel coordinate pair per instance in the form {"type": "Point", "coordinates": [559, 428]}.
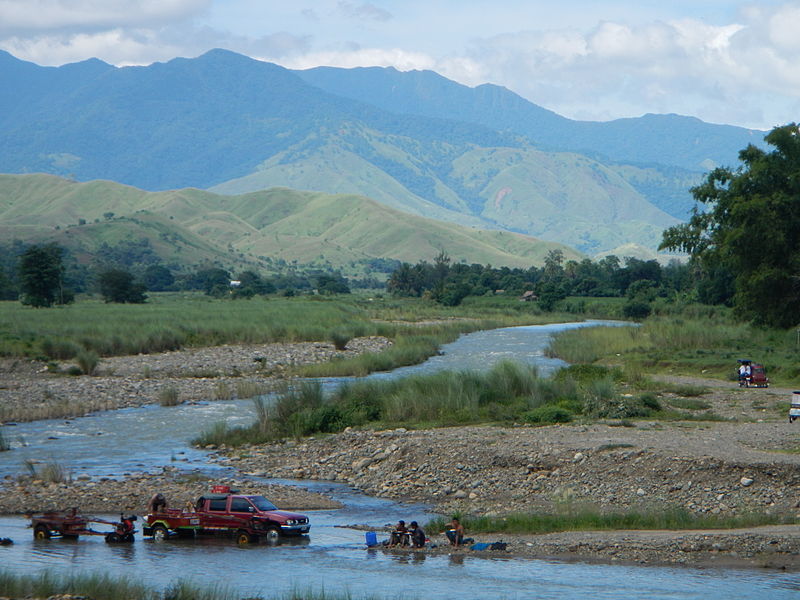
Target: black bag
{"type": "Point", "coordinates": [498, 546]}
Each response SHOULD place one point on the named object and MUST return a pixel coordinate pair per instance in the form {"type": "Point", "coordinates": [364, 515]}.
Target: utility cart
{"type": "Point", "coordinates": [72, 524]}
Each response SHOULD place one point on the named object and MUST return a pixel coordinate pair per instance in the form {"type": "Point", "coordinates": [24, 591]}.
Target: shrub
{"type": "Point", "coordinates": [59, 349]}
{"type": "Point", "coordinates": [548, 413]}
{"type": "Point", "coordinates": [87, 361]}
{"type": "Point", "coordinates": [340, 339]}
{"type": "Point", "coordinates": [636, 309]}
{"type": "Point", "coordinates": [169, 396]}
{"type": "Point", "coordinates": [650, 401]}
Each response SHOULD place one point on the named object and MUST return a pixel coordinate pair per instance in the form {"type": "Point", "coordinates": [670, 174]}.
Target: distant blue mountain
{"type": "Point", "coordinates": [184, 123]}
{"type": "Point", "coordinates": [669, 140]}
{"type": "Point", "coordinates": [415, 141]}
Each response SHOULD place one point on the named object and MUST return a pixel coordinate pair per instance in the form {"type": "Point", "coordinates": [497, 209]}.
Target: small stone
{"type": "Point", "coordinates": [746, 481]}
{"type": "Point", "coordinates": [640, 492]}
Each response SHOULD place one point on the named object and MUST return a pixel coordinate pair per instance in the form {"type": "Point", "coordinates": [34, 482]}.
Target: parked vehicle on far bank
{"type": "Point", "coordinates": [247, 517]}
{"type": "Point", "coordinates": [752, 374]}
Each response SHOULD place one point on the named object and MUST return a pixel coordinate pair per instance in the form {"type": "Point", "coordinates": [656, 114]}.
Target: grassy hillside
{"type": "Point", "coordinates": [554, 196]}
{"type": "Point", "coordinates": [190, 226]}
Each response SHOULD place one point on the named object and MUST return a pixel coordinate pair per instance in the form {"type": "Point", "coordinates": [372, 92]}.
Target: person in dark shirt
{"type": "Point", "coordinates": [417, 535]}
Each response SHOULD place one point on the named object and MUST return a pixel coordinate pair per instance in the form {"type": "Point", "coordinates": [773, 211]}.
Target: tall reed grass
{"type": "Point", "coordinates": [5, 444]}
{"type": "Point", "coordinates": [506, 393]}
{"type": "Point", "coordinates": [103, 586]}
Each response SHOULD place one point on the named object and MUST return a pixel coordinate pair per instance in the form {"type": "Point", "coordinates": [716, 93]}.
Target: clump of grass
{"type": "Point", "coordinates": [50, 472]}
{"type": "Point", "coordinates": [4, 443]}
{"type": "Point", "coordinates": [687, 391]}
{"type": "Point", "coordinates": [689, 403]}
{"type": "Point", "coordinates": [87, 361]}
{"type": "Point", "coordinates": [247, 388]}
{"type": "Point", "coordinates": [614, 446]}
{"type": "Point", "coordinates": [169, 396]}
{"type": "Point", "coordinates": [570, 518]}
{"type": "Point", "coordinates": [548, 414]}
{"type": "Point", "coordinates": [340, 338]}
{"type": "Point", "coordinates": [59, 349]}
{"type": "Point", "coordinates": [222, 391]}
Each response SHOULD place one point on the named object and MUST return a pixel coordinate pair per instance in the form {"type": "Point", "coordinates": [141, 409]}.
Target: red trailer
{"type": "Point", "coordinates": [72, 524]}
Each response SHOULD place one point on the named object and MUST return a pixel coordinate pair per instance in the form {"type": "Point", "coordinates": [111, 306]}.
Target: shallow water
{"type": "Point", "coordinates": [331, 558]}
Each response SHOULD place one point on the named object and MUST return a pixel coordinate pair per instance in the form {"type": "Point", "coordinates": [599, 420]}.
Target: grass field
{"type": "Point", "coordinates": [699, 346]}
{"type": "Point", "coordinates": [173, 321]}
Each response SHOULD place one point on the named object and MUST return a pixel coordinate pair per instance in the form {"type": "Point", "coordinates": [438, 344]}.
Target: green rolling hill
{"type": "Point", "coordinates": [189, 226]}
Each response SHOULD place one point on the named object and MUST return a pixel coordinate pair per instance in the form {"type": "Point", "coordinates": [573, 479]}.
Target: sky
{"type": "Point", "coordinates": [721, 61]}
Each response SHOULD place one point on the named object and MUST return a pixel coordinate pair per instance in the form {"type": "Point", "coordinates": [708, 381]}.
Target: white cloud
{"type": "Point", "coordinates": [361, 57]}
{"type": "Point", "coordinates": [714, 71]}
{"type": "Point", "coordinates": [41, 15]}
{"type": "Point", "coordinates": [366, 11]}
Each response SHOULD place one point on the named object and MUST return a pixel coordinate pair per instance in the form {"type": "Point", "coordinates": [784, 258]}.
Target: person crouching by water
{"type": "Point", "coordinates": [399, 536]}
{"type": "Point", "coordinates": [157, 503]}
{"type": "Point", "coordinates": [417, 535]}
{"type": "Point", "coordinates": [456, 533]}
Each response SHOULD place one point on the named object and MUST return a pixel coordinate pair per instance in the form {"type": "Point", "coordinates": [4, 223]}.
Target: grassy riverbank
{"type": "Point", "coordinates": [110, 587]}
{"type": "Point", "coordinates": [590, 519]}
{"type": "Point", "coordinates": [696, 345]}
{"type": "Point", "coordinates": [507, 393]}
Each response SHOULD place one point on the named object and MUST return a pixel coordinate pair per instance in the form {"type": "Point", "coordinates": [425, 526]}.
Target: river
{"type": "Point", "coordinates": [332, 558]}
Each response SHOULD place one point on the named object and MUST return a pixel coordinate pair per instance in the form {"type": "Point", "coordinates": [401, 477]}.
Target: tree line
{"type": "Point", "coordinates": [640, 280]}
{"type": "Point", "coordinates": [42, 275]}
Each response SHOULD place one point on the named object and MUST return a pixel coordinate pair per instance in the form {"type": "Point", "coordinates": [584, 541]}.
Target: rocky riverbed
{"type": "Point", "coordinates": [132, 493]}
{"type": "Point", "coordinates": [32, 390]}
{"type": "Point", "coordinates": [714, 468]}
{"type": "Point", "coordinates": [747, 463]}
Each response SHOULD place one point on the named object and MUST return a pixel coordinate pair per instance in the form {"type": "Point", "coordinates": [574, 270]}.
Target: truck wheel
{"type": "Point", "coordinates": [273, 534]}
{"type": "Point", "coordinates": [113, 538]}
{"type": "Point", "coordinates": [41, 532]}
{"type": "Point", "coordinates": [128, 537]}
{"type": "Point", "coordinates": [243, 537]}
{"type": "Point", "coordinates": [160, 533]}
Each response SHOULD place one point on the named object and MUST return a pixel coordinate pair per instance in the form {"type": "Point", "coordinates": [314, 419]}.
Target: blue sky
{"type": "Point", "coordinates": [722, 61]}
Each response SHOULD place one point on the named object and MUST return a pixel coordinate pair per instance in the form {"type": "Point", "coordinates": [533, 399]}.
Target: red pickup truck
{"type": "Point", "coordinates": [248, 517]}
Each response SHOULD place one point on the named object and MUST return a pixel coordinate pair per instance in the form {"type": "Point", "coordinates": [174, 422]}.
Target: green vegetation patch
{"type": "Point", "coordinates": [590, 519]}
{"type": "Point", "coordinates": [509, 392]}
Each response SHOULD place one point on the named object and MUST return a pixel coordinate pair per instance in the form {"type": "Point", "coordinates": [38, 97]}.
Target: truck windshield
{"type": "Point", "coordinates": [262, 503]}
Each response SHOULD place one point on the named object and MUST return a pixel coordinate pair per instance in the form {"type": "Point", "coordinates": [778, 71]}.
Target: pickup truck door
{"type": "Point", "coordinates": [242, 508]}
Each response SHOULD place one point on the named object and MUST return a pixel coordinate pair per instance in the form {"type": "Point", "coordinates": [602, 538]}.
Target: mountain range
{"type": "Point", "coordinates": [417, 142]}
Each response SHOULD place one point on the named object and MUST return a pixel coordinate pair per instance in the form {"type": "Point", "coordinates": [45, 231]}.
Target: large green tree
{"type": "Point", "coordinates": [118, 285]}
{"type": "Point", "coordinates": [751, 227]}
{"type": "Point", "coordinates": [41, 276]}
